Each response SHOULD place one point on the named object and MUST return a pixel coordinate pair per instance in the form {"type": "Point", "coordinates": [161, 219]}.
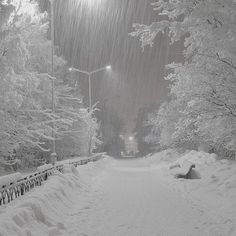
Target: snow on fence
{"type": "Point", "coordinates": [14, 185]}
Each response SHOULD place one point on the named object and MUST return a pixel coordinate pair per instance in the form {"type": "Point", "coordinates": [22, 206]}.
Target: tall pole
{"type": "Point", "coordinates": [89, 74]}
{"type": "Point", "coordinates": [52, 74]}
{"type": "Point", "coordinates": [90, 92]}
{"type": "Point", "coordinates": [90, 108]}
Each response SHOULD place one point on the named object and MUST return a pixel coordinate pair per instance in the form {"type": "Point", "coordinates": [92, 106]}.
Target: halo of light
{"type": "Point", "coordinates": [108, 68]}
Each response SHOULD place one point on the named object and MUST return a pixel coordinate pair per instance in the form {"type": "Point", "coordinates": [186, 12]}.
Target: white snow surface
{"type": "Point", "coordinates": [44, 167]}
{"type": "Point", "coordinates": [129, 198]}
{"type": "Point", "coordinates": [11, 178]}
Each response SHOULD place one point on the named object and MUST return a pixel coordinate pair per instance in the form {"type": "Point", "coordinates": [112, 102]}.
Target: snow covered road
{"type": "Point", "coordinates": [128, 199]}
{"type": "Point", "coordinates": [118, 198]}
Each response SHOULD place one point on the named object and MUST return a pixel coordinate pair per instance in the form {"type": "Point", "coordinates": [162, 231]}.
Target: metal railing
{"type": "Point", "coordinates": [15, 189]}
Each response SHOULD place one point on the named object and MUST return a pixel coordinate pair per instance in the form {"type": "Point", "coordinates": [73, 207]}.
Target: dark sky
{"type": "Point", "coordinates": [94, 33]}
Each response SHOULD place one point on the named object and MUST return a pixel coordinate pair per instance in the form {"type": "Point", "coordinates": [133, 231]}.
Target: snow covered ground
{"type": "Point", "coordinates": [214, 194]}
{"type": "Point", "coordinates": [129, 198]}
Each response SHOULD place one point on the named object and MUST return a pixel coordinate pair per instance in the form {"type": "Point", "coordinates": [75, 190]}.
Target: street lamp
{"type": "Point", "coordinates": [109, 67]}
{"type": "Point", "coordinates": [89, 75]}
{"type": "Point", "coordinates": [131, 138]}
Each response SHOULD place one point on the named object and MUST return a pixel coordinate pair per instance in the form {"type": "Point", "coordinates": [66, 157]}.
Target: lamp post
{"type": "Point", "coordinates": [89, 75]}
{"type": "Point", "coordinates": [53, 154]}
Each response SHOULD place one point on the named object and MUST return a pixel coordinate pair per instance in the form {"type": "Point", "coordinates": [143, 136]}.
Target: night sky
{"type": "Point", "coordinates": [95, 33]}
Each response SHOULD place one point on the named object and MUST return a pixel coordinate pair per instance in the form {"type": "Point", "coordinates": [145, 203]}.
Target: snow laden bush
{"type": "Point", "coordinates": [202, 107]}
{"type": "Point", "coordinates": [26, 116]}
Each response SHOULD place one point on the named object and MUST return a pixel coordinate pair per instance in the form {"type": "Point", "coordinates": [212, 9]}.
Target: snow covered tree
{"type": "Point", "coordinates": [81, 138]}
{"type": "Point", "coordinates": [203, 85]}
{"type": "Point", "coordinates": [111, 128]}
{"type": "Point", "coordinates": [25, 118]}
{"type": "Point", "coordinates": [25, 103]}
{"type": "Point", "coordinates": [142, 129]}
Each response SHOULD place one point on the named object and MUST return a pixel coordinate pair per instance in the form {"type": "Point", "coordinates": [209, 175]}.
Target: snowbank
{"type": "Point", "coordinates": [69, 168]}
{"type": "Point", "coordinates": [12, 178]}
{"type": "Point", "coordinates": [214, 193]}
{"type": "Point", "coordinates": [199, 158]}
{"type": "Point", "coordinates": [216, 190]}
{"type": "Point", "coordinates": [41, 212]}
{"type": "Point", "coordinates": [44, 167]}
{"type": "Point", "coordinates": [78, 159]}
{"type": "Point", "coordinates": [165, 156]}
{"type": "Point", "coordinates": [215, 174]}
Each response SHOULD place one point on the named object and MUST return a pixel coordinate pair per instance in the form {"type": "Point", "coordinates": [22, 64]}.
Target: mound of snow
{"type": "Point", "coordinates": [12, 178]}
{"type": "Point", "coordinates": [216, 175]}
{"type": "Point", "coordinates": [69, 168]}
{"type": "Point", "coordinates": [214, 192]}
{"type": "Point", "coordinates": [220, 174]}
{"type": "Point", "coordinates": [41, 211]}
{"type": "Point", "coordinates": [199, 158]}
{"type": "Point", "coordinates": [45, 167]}
{"type": "Point", "coordinates": [168, 156]}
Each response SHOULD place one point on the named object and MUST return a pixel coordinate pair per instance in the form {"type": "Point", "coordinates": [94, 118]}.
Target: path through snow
{"type": "Point", "coordinates": [115, 198]}
{"type": "Point", "coordinates": [127, 199]}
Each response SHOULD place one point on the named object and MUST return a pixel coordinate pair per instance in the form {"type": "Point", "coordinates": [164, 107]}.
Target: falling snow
{"type": "Point", "coordinates": [117, 117]}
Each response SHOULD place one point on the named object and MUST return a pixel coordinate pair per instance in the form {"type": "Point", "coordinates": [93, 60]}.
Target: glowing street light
{"type": "Point", "coordinates": [108, 67]}
{"type": "Point", "coordinates": [131, 138]}
{"type": "Point", "coordinates": [89, 74]}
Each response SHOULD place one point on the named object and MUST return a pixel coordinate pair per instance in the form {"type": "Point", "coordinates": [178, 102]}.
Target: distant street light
{"type": "Point", "coordinates": [109, 67]}
{"type": "Point", "coordinates": [89, 74]}
{"type": "Point", "coordinates": [131, 138]}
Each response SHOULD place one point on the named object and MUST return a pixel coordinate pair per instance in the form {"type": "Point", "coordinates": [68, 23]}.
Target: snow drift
{"type": "Point", "coordinates": [214, 191]}
{"type": "Point", "coordinates": [215, 175]}
{"type": "Point", "coordinates": [11, 178]}
{"type": "Point", "coordinates": [41, 211]}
